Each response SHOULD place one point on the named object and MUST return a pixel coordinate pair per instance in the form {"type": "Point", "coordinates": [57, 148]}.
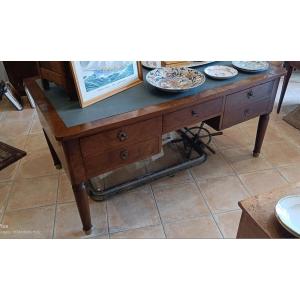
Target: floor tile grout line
{"type": "Point", "coordinates": [31, 125]}
{"type": "Point", "coordinates": [14, 175]}
{"type": "Point", "coordinates": [13, 180]}
{"type": "Point", "coordinates": [206, 203]}
{"type": "Point", "coordinates": [55, 210]}
{"type": "Point", "coordinates": [238, 177]}
{"type": "Point", "coordinates": [6, 202]}
{"type": "Point", "coordinates": [35, 207]}
{"type": "Point", "coordinates": [197, 217]}
{"type": "Point", "coordinates": [258, 171]}
{"type": "Point", "coordinates": [160, 218]}
{"type": "Point", "coordinates": [281, 174]}
{"type": "Point", "coordinates": [135, 228]}
{"type": "Point", "coordinates": [107, 218]}
{"type": "Point", "coordinates": [13, 184]}
{"type": "Point", "coordinates": [227, 211]}
{"type": "Point", "coordinates": [35, 177]}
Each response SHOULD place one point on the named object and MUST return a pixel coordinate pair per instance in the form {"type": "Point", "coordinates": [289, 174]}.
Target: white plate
{"type": "Point", "coordinates": [251, 66]}
{"type": "Point", "coordinates": [175, 79]}
{"type": "Point", "coordinates": [151, 64]}
{"type": "Point", "coordinates": [288, 213]}
{"type": "Point", "coordinates": [193, 64]}
{"type": "Point", "coordinates": [220, 72]}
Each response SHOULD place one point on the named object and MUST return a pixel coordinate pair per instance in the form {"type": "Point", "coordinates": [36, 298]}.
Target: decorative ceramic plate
{"type": "Point", "coordinates": [175, 79]}
{"type": "Point", "coordinates": [220, 72]}
{"type": "Point", "coordinates": [287, 211]}
{"type": "Point", "coordinates": [151, 64]}
{"type": "Point", "coordinates": [188, 64]}
{"type": "Point", "coordinates": [251, 66]}
{"type": "Point", "coordinates": [199, 63]}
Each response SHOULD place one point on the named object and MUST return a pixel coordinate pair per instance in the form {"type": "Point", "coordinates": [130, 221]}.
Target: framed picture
{"type": "Point", "coordinates": [97, 80]}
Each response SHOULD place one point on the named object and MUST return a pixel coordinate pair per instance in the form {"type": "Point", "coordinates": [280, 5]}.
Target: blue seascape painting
{"type": "Point", "coordinates": [97, 74]}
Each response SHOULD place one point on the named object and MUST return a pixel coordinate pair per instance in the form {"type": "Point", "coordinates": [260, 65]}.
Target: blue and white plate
{"type": "Point", "coordinates": [175, 79]}
{"type": "Point", "coordinates": [220, 72]}
{"type": "Point", "coordinates": [251, 66]}
{"type": "Point", "coordinates": [287, 211]}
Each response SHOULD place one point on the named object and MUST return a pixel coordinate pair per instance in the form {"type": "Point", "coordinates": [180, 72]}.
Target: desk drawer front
{"type": "Point", "coordinates": [122, 156]}
{"type": "Point", "coordinates": [192, 115]}
{"type": "Point", "coordinates": [249, 96]}
{"type": "Point", "coordinates": [244, 113]}
{"type": "Point", "coordinates": [107, 140]}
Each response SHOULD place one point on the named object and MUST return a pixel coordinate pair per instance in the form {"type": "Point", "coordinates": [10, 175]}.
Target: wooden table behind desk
{"type": "Point", "coordinates": [258, 218]}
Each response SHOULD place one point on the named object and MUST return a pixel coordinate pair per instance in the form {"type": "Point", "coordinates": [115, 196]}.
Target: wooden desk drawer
{"type": "Point", "coordinates": [246, 112]}
{"type": "Point", "coordinates": [249, 96]}
{"type": "Point", "coordinates": [192, 115]}
{"type": "Point", "coordinates": [104, 162]}
{"type": "Point", "coordinates": [129, 134]}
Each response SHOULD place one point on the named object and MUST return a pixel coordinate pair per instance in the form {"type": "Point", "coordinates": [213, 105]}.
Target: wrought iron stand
{"type": "Point", "coordinates": [195, 139]}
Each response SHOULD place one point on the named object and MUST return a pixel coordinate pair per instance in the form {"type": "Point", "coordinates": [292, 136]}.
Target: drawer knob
{"type": "Point", "coordinates": [124, 154]}
{"type": "Point", "coordinates": [194, 113]}
{"type": "Point", "coordinates": [250, 94]}
{"type": "Point", "coordinates": [122, 136]}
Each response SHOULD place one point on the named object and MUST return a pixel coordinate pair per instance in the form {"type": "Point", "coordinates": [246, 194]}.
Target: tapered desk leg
{"type": "Point", "coordinates": [55, 158]}
{"type": "Point", "coordinates": [83, 205]}
{"type": "Point", "coordinates": [261, 130]}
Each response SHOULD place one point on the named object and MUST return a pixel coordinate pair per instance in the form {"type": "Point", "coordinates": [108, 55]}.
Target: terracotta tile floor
{"type": "Point", "coordinates": [36, 200]}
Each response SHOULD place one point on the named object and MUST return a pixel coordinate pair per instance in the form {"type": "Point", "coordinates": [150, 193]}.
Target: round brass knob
{"type": "Point", "coordinates": [124, 154]}
{"type": "Point", "coordinates": [122, 136]}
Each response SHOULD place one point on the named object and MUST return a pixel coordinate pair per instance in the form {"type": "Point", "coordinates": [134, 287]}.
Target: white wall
{"type": "Point", "coordinates": [3, 75]}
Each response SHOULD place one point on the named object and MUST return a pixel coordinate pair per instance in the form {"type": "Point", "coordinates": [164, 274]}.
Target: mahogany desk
{"type": "Point", "coordinates": [96, 147]}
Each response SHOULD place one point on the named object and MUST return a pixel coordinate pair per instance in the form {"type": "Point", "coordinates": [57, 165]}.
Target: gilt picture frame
{"type": "Point", "coordinates": [98, 80]}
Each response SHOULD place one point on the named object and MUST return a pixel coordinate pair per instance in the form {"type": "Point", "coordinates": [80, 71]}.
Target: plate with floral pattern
{"type": "Point", "coordinates": [175, 79]}
{"type": "Point", "coordinates": [251, 66]}
{"type": "Point", "coordinates": [220, 72]}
